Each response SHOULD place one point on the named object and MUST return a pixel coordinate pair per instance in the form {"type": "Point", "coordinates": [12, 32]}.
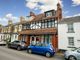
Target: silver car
{"type": "Point", "coordinates": [72, 55]}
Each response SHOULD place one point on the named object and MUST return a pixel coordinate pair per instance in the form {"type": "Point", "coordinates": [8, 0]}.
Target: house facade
{"type": "Point", "coordinates": [69, 33]}
{"type": "Point", "coordinates": [6, 31]}
{"type": "Point", "coordinates": [42, 28]}
{"type": "Point", "coordinates": [0, 34]}
{"type": "Point", "coordinates": [10, 31]}
{"type": "Point", "coordinates": [17, 27]}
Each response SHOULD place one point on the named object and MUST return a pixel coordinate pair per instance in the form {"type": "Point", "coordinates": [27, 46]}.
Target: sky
{"type": "Point", "coordinates": [13, 9]}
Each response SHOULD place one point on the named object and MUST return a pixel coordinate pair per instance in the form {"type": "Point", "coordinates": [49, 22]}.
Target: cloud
{"type": "Point", "coordinates": [72, 15]}
{"type": "Point", "coordinates": [4, 20]}
{"type": "Point", "coordinates": [77, 14]}
{"type": "Point", "coordinates": [65, 13]}
{"type": "Point", "coordinates": [42, 5]}
{"type": "Point", "coordinates": [76, 2]}
{"type": "Point", "coordinates": [11, 17]}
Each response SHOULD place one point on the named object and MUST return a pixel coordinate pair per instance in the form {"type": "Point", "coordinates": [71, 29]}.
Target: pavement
{"type": "Point", "coordinates": [12, 54]}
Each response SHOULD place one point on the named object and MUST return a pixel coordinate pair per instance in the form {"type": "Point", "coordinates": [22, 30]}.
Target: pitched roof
{"type": "Point", "coordinates": [39, 17]}
{"type": "Point", "coordinates": [70, 20]}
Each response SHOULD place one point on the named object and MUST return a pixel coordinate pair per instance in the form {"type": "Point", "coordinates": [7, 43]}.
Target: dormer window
{"type": "Point", "coordinates": [50, 13]}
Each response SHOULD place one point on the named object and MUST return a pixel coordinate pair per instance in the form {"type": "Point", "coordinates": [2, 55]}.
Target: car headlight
{"type": "Point", "coordinates": [23, 45]}
{"type": "Point", "coordinates": [51, 49]}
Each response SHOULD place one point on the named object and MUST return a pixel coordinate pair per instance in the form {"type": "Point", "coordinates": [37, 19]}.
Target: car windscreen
{"type": "Point", "coordinates": [16, 42]}
{"type": "Point", "coordinates": [74, 49]}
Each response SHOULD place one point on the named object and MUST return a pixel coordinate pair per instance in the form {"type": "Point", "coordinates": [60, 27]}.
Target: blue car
{"type": "Point", "coordinates": [44, 49]}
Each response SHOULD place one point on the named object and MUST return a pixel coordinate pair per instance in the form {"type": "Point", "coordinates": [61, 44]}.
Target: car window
{"type": "Point", "coordinates": [42, 45]}
{"type": "Point", "coordinates": [74, 49]}
{"type": "Point", "coordinates": [78, 50]}
{"type": "Point", "coordinates": [38, 44]}
{"type": "Point", "coordinates": [23, 42]}
{"type": "Point", "coordinates": [16, 42]}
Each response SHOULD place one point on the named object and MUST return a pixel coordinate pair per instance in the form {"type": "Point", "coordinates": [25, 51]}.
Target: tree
{"type": "Point", "coordinates": [0, 25]}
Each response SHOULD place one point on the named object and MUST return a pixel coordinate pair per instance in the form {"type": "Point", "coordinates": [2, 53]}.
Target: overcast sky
{"type": "Point", "coordinates": [13, 9]}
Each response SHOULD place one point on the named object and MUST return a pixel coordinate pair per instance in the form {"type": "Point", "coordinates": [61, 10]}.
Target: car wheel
{"type": "Point", "coordinates": [30, 51]}
{"type": "Point", "coordinates": [72, 58]}
{"type": "Point", "coordinates": [48, 54]}
{"type": "Point", "coordinates": [18, 48]}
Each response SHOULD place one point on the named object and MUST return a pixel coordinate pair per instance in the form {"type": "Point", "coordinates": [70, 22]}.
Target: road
{"type": "Point", "coordinates": [11, 54]}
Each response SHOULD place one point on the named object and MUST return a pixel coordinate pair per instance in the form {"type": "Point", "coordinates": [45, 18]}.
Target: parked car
{"type": "Point", "coordinates": [18, 44]}
{"type": "Point", "coordinates": [44, 49]}
{"type": "Point", "coordinates": [2, 43]}
{"type": "Point", "coordinates": [72, 55]}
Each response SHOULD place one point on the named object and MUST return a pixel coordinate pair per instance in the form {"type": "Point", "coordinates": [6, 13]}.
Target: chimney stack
{"type": "Point", "coordinates": [10, 22]}
{"type": "Point", "coordinates": [59, 11]}
{"type": "Point", "coordinates": [22, 19]}
{"type": "Point", "coordinates": [32, 14]}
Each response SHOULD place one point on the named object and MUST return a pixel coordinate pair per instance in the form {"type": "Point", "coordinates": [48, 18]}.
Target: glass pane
{"type": "Point", "coordinates": [49, 24]}
{"type": "Point", "coordinates": [71, 41]}
{"type": "Point", "coordinates": [70, 28]}
{"type": "Point", "coordinates": [49, 14]}
{"type": "Point", "coordinates": [45, 24]}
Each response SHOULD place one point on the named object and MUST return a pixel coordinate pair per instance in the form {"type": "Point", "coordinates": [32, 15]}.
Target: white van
{"type": "Point", "coordinates": [2, 43]}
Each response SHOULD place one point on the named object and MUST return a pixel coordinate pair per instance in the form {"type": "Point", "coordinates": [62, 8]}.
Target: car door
{"type": "Point", "coordinates": [78, 54]}
{"type": "Point", "coordinates": [39, 49]}
{"type": "Point", "coordinates": [33, 48]}
{"type": "Point", "coordinates": [14, 44]}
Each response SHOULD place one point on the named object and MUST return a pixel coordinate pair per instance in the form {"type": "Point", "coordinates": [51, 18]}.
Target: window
{"type": "Point", "coordinates": [45, 24]}
{"type": "Point", "coordinates": [56, 24]}
{"type": "Point", "coordinates": [34, 25]}
{"type": "Point", "coordinates": [20, 27]}
{"type": "Point", "coordinates": [54, 12]}
{"type": "Point", "coordinates": [70, 28]}
{"type": "Point", "coordinates": [47, 39]}
{"type": "Point", "coordinates": [42, 25]}
{"type": "Point", "coordinates": [24, 27]}
{"type": "Point", "coordinates": [53, 23]}
{"type": "Point", "coordinates": [28, 26]}
{"type": "Point", "coordinates": [48, 14]}
{"type": "Point", "coordinates": [49, 24]}
{"type": "Point", "coordinates": [71, 41]}
{"type": "Point", "coordinates": [39, 24]}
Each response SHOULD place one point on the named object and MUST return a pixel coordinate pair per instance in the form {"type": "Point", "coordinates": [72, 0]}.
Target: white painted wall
{"type": "Point", "coordinates": [13, 38]}
{"type": "Point", "coordinates": [63, 35]}
{"type": "Point", "coordinates": [0, 37]}
{"type": "Point", "coordinates": [20, 27]}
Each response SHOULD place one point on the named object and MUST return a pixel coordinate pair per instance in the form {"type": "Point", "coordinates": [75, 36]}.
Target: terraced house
{"type": "Point", "coordinates": [10, 31]}
{"type": "Point", "coordinates": [17, 27]}
{"type": "Point", "coordinates": [0, 34]}
{"type": "Point", "coordinates": [42, 28]}
{"type": "Point", "coordinates": [69, 33]}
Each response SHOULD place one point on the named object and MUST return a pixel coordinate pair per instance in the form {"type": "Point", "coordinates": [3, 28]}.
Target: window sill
{"type": "Point", "coordinates": [71, 47]}
{"type": "Point", "coordinates": [71, 32]}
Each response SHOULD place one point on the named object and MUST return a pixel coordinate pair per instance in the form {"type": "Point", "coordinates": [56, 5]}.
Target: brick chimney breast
{"type": "Point", "coordinates": [59, 12]}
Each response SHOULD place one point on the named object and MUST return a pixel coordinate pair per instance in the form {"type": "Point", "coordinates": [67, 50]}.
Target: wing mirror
{"type": "Point", "coordinates": [78, 51]}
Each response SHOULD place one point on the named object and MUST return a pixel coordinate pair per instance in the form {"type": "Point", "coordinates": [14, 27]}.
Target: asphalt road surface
{"type": "Point", "coordinates": [11, 54]}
